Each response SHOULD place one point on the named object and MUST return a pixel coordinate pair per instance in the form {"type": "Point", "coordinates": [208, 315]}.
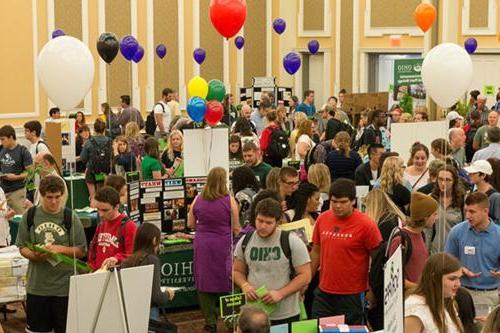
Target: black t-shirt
{"type": "Point", "coordinates": [401, 196]}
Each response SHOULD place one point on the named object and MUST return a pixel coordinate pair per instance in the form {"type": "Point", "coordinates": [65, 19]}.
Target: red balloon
{"type": "Point", "coordinates": [214, 113]}
{"type": "Point", "coordinates": [228, 16]}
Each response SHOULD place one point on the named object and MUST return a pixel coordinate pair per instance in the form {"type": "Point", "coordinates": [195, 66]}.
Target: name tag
{"type": "Point", "coordinates": [470, 250]}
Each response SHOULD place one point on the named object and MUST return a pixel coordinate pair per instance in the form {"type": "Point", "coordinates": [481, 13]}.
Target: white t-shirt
{"type": "Point", "coordinates": [38, 147]}
{"type": "Point", "coordinates": [417, 181]}
{"type": "Point", "coordinates": [167, 115]}
{"type": "Point", "coordinates": [415, 306]}
{"type": "Point", "coordinates": [304, 138]}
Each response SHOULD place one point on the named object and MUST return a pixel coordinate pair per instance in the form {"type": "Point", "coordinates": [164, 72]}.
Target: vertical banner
{"type": "Point", "coordinates": [151, 201]}
{"type": "Point", "coordinates": [174, 207]}
{"type": "Point", "coordinates": [133, 201]}
{"type": "Point", "coordinates": [393, 293]}
{"type": "Point", "coordinates": [408, 82]}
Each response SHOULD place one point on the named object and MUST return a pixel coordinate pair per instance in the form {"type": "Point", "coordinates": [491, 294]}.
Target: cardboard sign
{"type": "Point", "coordinates": [230, 305]}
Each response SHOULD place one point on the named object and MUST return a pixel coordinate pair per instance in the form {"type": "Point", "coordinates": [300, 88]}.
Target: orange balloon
{"type": "Point", "coordinates": [425, 14]}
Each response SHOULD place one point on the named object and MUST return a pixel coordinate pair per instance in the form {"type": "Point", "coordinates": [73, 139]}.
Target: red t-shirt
{"type": "Point", "coordinates": [345, 246]}
{"type": "Point", "coordinates": [415, 265]}
{"type": "Point", "coordinates": [106, 242]}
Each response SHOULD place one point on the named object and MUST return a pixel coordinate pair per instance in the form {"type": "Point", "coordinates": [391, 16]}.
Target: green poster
{"type": "Point", "coordinates": [489, 90]}
{"type": "Point", "coordinates": [408, 79]}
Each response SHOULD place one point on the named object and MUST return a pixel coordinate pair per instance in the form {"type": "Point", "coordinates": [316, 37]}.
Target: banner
{"type": "Point", "coordinates": [393, 293]}
{"type": "Point", "coordinates": [408, 81]}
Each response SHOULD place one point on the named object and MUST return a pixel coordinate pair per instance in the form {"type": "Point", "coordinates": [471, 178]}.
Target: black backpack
{"type": "Point", "coordinates": [284, 243]}
{"type": "Point", "coordinates": [30, 217]}
{"type": "Point", "coordinates": [151, 121]}
{"type": "Point", "coordinates": [376, 275]}
{"type": "Point", "coordinates": [279, 147]}
{"type": "Point", "coordinates": [100, 162]}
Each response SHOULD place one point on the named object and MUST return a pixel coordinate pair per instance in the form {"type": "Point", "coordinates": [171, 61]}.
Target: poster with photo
{"type": "Point", "coordinates": [193, 186]}
{"type": "Point", "coordinates": [133, 201]}
{"type": "Point", "coordinates": [151, 201]}
{"type": "Point", "coordinates": [174, 207]}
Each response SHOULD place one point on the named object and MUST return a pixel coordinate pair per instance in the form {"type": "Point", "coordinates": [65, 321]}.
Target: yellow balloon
{"type": "Point", "coordinates": [197, 86]}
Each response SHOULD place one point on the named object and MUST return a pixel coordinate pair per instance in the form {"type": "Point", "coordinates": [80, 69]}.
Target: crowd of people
{"type": "Point", "coordinates": [286, 165]}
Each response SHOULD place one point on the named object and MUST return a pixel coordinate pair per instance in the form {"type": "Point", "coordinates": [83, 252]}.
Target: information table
{"type": "Point", "coordinates": [177, 272]}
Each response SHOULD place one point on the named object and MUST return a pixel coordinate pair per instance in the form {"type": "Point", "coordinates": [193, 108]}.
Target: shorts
{"type": "Point", "coordinates": [46, 313]}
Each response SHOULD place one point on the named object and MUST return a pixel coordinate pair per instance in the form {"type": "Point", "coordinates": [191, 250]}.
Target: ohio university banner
{"type": "Point", "coordinates": [408, 80]}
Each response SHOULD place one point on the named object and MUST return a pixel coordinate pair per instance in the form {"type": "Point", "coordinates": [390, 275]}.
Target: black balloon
{"type": "Point", "coordinates": [108, 46]}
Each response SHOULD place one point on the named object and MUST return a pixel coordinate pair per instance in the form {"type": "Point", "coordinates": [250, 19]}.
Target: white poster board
{"type": "Point", "coordinates": [68, 140]}
{"type": "Point", "coordinates": [85, 294]}
{"type": "Point", "coordinates": [393, 293]}
{"type": "Point", "coordinates": [205, 149]}
{"type": "Point", "coordinates": [404, 135]}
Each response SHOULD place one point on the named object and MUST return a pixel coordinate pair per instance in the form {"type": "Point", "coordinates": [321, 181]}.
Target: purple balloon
{"type": "Point", "coordinates": [239, 42]}
{"type": "Point", "coordinates": [470, 45]}
{"type": "Point", "coordinates": [199, 55]}
{"type": "Point", "coordinates": [138, 55]}
{"type": "Point", "coordinates": [313, 46]}
{"type": "Point", "coordinates": [161, 51]}
{"type": "Point", "coordinates": [128, 47]}
{"type": "Point", "coordinates": [291, 62]}
{"type": "Point", "coordinates": [57, 33]}
{"type": "Point", "coordinates": [279, 25]}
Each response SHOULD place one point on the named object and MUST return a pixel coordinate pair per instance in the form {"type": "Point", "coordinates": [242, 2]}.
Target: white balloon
{"type": "Point", "coordinates": [66, 71]}
{"type": "Point", "coordinates": [447, 73]}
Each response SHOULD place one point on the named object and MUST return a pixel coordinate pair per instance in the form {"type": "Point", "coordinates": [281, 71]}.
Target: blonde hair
{"type": "Point", "coordinates": [132, 130]}
{"type": "Point", "coordinates": [343, 141]}
{"type": "Point", "coordinates": [170, 149]}
{"type": "Point", "coordinates": [378, 205]}
{"type": "Point", "coordinates": [391, 174]}
{"type": "Point", "coordinates": [216, 186]}
{"type": "Point", "coordinates": [305, 127]}
{"type": "Point", "coordinates": [272, 180]}
{"type": "Point", "coordinates": [298, 118]}
{"type": "Point", "coordinates": [319, 175]}
{"type": "Point", "coordinates": [406, 118]}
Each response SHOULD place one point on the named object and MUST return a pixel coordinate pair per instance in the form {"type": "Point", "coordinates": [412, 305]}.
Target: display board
{"type": "Point", "coordinates": [133, 201]}
{"type": "Point", "coordinates": [404, 135]}
{"type": "Point", "coordinates": [61, 139]}
{"type": "Point", "coordinates": [393, 293]}
{"type": "Point", "coordinates": [174, 206]}
{"type": "Point", "coordinates": [151, 201]}
{"type": "Point", "coordinates": [205, 149]}
{"type": "Point", "coordinates": [252, 94]}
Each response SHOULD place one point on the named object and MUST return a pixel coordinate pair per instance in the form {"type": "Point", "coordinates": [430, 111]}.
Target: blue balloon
{"type": "Point", "coordinates": [313, 46]}
{"type": "Point", "coordinates": [470, 45]}
{"type": "Point", "coordinates": [292, 63]}
{"type": "Point", "coordinates": [128, 47]}
{"type": "Point", "coordinates": [279, 25]}
{"type": "Point", "coordinates": [138, 55]}
{"type": "Point", "coordinates": [57, 33]}
{"type": "Point", "coordinates": [239, 42]}
{"type": "Point", "coordinates": [196, 109]}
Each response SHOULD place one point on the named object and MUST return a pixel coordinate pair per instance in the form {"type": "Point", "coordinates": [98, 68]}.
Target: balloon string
{"type": "Point", "coordinates": [108, 117]}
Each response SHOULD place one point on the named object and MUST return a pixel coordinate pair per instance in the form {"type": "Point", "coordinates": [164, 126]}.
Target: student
{"type": "Point", "coordinates": [253, 159]}
{"type": "Point", "coordinates": [479, 172]}
{"type": "Point", "coordinates": [32, 133]}
{"type": "Point", "coordinates": [120, 185]}
{"type": "Point", "coordinates": [352, 236]}
{"type": "Point", "coordinates": [272, 269]}
{"type": "Point", "coordinates": [114, 236]}
{"type": "Point", "coordinates": [15, 159]}
{"type": "Point", "coordinates": [123, 159]}
{"type": "Point", "coordinates": [151, 166]}
{"type": "Point", "coordinates": [59, 231]}
{"type": "Point", "coordinates": [253, 320]}
{"type": "Point", "coordinates": [146, 246]}
{"type": "Point", "coordinates": [172, 157]}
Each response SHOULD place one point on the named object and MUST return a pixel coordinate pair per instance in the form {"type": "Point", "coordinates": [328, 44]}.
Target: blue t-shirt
{"type": "Point", "coordinates": [309, 110]}
{"type": "Point", "coordinates": [478, 251]}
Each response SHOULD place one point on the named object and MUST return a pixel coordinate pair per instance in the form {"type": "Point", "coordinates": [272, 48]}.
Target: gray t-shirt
{"type": "Point", "coordinates": [14, 161]}
{"type": "Point", "coordinates": [268, 266]}
{"type": "Point", "coordinates": [48, 229]}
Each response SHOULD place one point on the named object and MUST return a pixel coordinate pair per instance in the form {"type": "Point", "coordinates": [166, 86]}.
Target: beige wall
{"type": "Point", "coordinates": [345, 44]}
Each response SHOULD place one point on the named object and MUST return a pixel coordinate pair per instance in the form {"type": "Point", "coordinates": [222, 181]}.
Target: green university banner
{"type": "Point", "coordinates": [408, 80]}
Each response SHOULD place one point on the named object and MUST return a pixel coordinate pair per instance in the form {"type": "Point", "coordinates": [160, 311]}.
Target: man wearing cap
{"type": "Point", "coordinates": [475, 243]}
{"type": "Point", "coordinates": [493, 149]}
{"type": "Point", "coordinates": [423, 216]}
{"type": "Point", "coordinates": [479, 173]}
{"type": "Point", "coordinates": [457, 143]}
{"type": "Point", "coordinates": [454, 119]}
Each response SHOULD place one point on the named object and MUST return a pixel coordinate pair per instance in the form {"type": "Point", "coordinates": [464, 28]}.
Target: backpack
{"type": "Point", "coordinates": [284, 244]}
{"type": "Point", "coordinates": [345, 127]}
{"type": "Point", "coordinates": [316, 154]}
{"type": "Point", "coordinates": [67, 219]}
{"type": "Point", "coordinates": [279, 147]}
{"type": "Point", "coordinates": [121, 238]}
{"type": "Point", "coordinates": [151, 121]}
{"type": "Point", "coordinates": [41, 142]}
{"type": "Point", "coordinates": [376, 275]}
{"type": "Point", "coordinates": [245, 199]}
{"type": "Point", "coordinates": [100, 162]}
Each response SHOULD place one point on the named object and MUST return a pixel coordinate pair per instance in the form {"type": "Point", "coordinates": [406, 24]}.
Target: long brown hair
{"type": "Point", "coordinates": [431, 288]}
{"type": "Point", "coordinates": [216, 186]}
{"type": "Point", "coordinates": [305, 127]}
{"type": "Point", "coordinates": [457, 191]}
{"type": "Point", "coordinates": [146, 240]}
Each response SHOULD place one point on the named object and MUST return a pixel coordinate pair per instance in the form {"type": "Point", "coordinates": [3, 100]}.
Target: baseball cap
{"type": "Point", "coordinates": [453, 115]}
{"type": "Point", "coordinates": [482, 166]}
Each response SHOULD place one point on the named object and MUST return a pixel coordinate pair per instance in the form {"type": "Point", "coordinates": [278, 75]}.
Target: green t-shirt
{"type": "Point", "coordinates": [482, 137]}
{"type": "Point", "coordinates": [261, 170]}
{"type": "Point", "coordinates": [148, 165]}
{"type": "Point", "coordinates": [44, 279]}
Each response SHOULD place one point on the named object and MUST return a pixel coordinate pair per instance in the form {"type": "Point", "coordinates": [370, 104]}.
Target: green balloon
{"type": "Point", "coordinates": [216, 90]}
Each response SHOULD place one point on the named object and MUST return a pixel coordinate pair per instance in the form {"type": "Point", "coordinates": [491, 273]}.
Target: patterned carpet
{"type": "Point", "coordinates": [187, 321]}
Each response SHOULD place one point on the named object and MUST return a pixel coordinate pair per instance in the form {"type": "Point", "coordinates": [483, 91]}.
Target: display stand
{"type": "Point", "coordinates": [262, 84]}
{"type": "Point", "coordinates": [113, 301]}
